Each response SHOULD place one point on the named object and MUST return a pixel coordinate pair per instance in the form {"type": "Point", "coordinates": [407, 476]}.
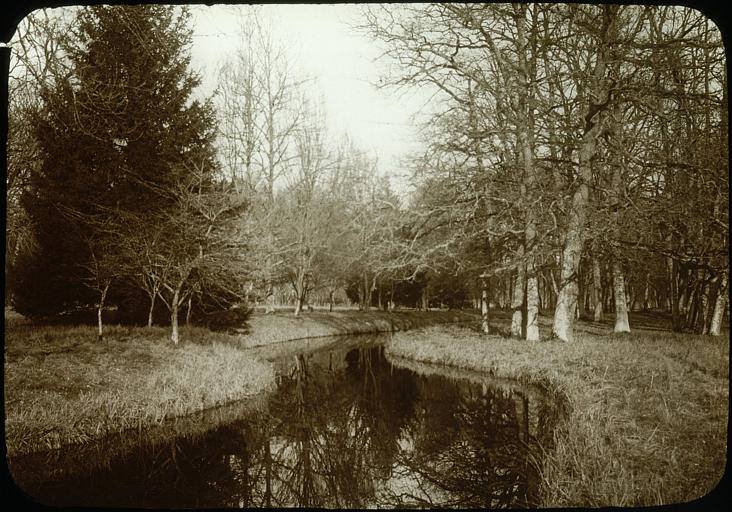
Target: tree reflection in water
{"type": "Point", "coordinates": [344, 429]}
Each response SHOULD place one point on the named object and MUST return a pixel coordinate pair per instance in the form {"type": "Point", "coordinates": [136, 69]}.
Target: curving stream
{"type": "Point", "coordinates": [345, 428]}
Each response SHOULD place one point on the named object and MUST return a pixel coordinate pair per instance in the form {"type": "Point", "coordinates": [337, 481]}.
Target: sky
{"type": "Point", "coordinates": [322, 43]}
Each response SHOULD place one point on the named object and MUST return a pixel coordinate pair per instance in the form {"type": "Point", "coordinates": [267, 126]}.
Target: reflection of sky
{"type": "Point", "coordinates": [366, 435]}
{"type": "Point", "coordinates": [401, 485]}
{"type": "Point", "coordinates": [341, 60]}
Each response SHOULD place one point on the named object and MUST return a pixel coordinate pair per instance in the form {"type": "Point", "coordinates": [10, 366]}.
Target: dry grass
{"type": "Point", "coordinates": [646, 420]}
{"type": "Point", "coordinates": [63, 386]}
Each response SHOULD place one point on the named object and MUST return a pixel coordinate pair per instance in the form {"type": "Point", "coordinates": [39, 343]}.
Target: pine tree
{"type": "Point", "coordinates": [116, 133]}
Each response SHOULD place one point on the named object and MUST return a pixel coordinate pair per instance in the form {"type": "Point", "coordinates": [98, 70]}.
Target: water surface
{"type": "Point", "coordinates": [345, 428]}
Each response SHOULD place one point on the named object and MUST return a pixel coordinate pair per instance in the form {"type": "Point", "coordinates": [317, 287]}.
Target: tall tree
{"type": "Point", "coordinates": [114, 133]}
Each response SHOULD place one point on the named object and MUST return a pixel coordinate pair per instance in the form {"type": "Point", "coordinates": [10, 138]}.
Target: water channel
{"type": "Point", "coordinates": [346, 427]}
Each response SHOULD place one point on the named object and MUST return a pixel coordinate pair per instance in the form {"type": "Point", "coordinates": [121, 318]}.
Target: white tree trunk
{"type": "Point", "coordinates": [715, 327]}
{"type": "Point", "coordinates": [566, 307]}
{"type": "Point", "coordinates": [517, 303]}
{"type": "Point", "coordinates": [174, 317]}
{"type": "Point", "coordinates": [150, 313]}
{"type": "Point", "coordinates": [100, 309]}
{"type": "Point", "coordinates": [532, 309]}
{"type": "Point", "coordinates": [621, 305]}
{"type": "Point", "coordinates": [484, 307]}
{"type": "Point", "coordinates": [563, 326]}
{"type": "Point", "coordinates": [298, 304]}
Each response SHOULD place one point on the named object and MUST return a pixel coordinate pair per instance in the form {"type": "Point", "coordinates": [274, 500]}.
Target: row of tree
{"type": "Point", "coordinates": [127, 191]}
{"type": "Point", "coordinates": [573, 166]}
{"type": "Point", "coordinates": [571, 146]}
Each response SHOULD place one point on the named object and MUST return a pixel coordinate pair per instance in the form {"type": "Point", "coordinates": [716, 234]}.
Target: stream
{"type": "Point", "coordinates": [346, 427]}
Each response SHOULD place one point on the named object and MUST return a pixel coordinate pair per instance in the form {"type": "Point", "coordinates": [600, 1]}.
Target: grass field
{"type": "Point", "coordinates": [646, 420]}
{"type": "Point", "coordinates": [63, 386]}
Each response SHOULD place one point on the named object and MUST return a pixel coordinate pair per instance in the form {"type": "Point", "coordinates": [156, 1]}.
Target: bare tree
{"type": "Point", "coordinates": [36, 61]}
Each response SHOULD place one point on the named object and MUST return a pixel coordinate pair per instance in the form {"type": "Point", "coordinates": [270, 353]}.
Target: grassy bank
{"type": "Point", "coordinates": [284, 326]}
{"type": "Point", "coordinates": [62, 386]}
{"type": "Point", "coordinates": [646, 412]}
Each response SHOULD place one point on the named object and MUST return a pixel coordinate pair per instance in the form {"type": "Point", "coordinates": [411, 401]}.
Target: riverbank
{"type": "Point", "coordinates": [62, 386]}
{"type": "Point", "coordinates": [264, 329]}
{"type": "Point", "coordinates": [646, 412]}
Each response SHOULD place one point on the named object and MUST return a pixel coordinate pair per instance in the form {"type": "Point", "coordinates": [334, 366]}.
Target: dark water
{"type": "Point", "coordinates": [345, 428]}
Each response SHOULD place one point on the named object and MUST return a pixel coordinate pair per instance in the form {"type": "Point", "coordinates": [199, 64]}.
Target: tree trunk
{"type": "Point", "coordinates": [301, 290]}
{"type": "Point", "coordinates": [532, 309]}
{"type": "Point", "coordinates": [706, 301]}
{"type": "Point", "coordinates": [269, 298]}
{"type": "Point", "coordinates": [100, 309]}
{"type": "Point", "coordinates": [331, 294]}
{"type": "Point", "coordinates": [621, 305]}
{"type": "Point", "coordinates": [366, 293]}
{"type": "Point", "coordinates": [298, 304]}
{"type": "Point", "coordinates": [674, 294]}
{"type": "Point", "coordinates": [392, 304]}
{"type": "Point", "coordinates": [484, 306]}
{"type": "Point", "coordinates": [563, 326]}
{"type": "Point", "coordinates": [188, 312]}
{"type": "Point", "coordinates": [517, 303]}
{"type": "Point", "coordinates": [174, 316]}
{"type": "Point", "coordinates": [564, 311]}
{"type": "Point", "coordinates": [150, 312]}
{"type": "Point", "coordinates": [715, 326]}
{"type": "Point", "coordinates": [425, 299]}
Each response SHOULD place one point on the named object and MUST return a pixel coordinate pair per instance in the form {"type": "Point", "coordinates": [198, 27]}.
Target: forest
{"type": "Point", "coordinates": [575, 163]}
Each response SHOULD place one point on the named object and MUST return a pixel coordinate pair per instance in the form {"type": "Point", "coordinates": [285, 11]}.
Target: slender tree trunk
{"type": "Point", "coordinates": [484, 305]}
{"type": "Point", "coordinates": [100, 309]}
{"type": "Point", "coordinates": [188, 311]}
{"type": "Point", "coordinates": [507, 291]}
{"type": "Point", "coordinates": [706, 300]}
{"type": "Point", "coordinates": [720, 304]}
{"type": "Point", "coordinates": [674, 294]}
{"type": "Point", "coordinates": [331, 294]}
{"type": "Point", "coordinates": [152, 307]}
{"type": "Point", "coordinates": [685, 296]}
{"type": "Point", "coordinates": [366, 292]}
{"type": "Point", "coordinates": [174, 316]}
{"type": "Point", "coordinates": [621, 305]}
{"type": "Point", "coordinates": [517, 303]}
{"type": "Point", "coordinates": [532, 309]}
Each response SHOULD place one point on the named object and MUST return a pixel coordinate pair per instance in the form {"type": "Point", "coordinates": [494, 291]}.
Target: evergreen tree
{"type": "Point", "coordinates": [116, 134]}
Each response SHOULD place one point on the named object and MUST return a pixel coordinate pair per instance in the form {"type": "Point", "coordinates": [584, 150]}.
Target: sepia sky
{"type": "Point", "coordinates": [321, 44]}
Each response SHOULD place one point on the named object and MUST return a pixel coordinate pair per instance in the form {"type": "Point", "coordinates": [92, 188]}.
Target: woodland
{"type": "Point", "coordinates": [575, 164]}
